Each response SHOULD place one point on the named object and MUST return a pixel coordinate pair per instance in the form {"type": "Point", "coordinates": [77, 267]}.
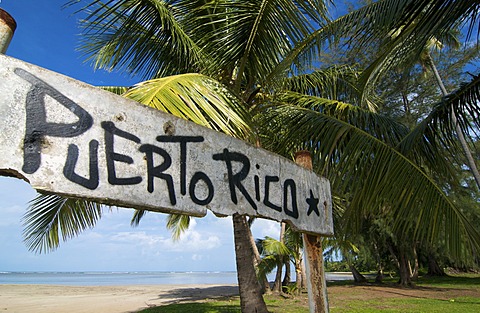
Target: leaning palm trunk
{"type": "Point", "coordinates": [357, 276]}
{"type": "Point", "coordinates": [250, 290]}
{"type": "Point", "coordinates": [298, 275]}
{"type": "Point", "coordinates": [461, 137]}
{"type": "Point", "coordinates": [277, 286]}
{"type": "Point", "coordinates": [262, 278]}
{"type": "Point", "coordinates": [303, 285]}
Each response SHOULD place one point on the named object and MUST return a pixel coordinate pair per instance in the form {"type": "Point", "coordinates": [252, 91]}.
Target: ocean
{"type": "Point", "coordinates": [117, 278]}
{"type": "Point", "coordinates": [131, 278]}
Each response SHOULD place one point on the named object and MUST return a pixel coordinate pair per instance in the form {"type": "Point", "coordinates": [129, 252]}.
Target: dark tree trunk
{"type": "Point", "coordinates": [277, 285]}
{"type": "Point", "coordinates": [403, 270]}
{"type": "Point", "coordinates": [287, 278]}
{"type": "Point", "coordinates": [380, 276]}
{"type": "Point", "coordinates": [357, 276]}
{"type": "Point", "coordinates": [433, 268]}
{"type": "Point", "coordinates": [251, 299]}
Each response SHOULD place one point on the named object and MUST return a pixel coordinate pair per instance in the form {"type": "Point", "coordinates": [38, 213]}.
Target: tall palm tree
{"type": "Point", "coordinates": [219, 62]}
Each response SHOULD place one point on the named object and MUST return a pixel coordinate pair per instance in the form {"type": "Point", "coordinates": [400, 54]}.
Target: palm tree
{"type": "Point", "coordinates": [274, 254]}
{"type": "Point", "coordinates": [277, 253]}
{"type": "Point", "coordinates": [217, 63]}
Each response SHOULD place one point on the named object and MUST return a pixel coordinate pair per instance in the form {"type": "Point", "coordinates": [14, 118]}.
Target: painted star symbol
{"type": "Point", "coordinates": [312, 204]}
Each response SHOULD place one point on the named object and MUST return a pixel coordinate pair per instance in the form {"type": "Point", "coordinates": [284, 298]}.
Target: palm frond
{"type": "Point", "coordinates": [374, 22]}
{"type": "Point", "coordinates": [376, 175]}
{"type": "Point", "coordinates": [420, 25]}
{"type": "Point", "coordinates": [465, 102]}
{"type": "Point", "coordinates": [137, 217]}
{"type": "Point", "coordinates": [437, 130]}
{"type": "Point", "coordinates": [438, 17]}
{"type": "Point", "coordinates": [267, 265]}
{"type": "Point", "coordinates": [370, 22]}
{"type": "Point", "coordinates": [384, 128]}
{"type": "Point", "coordinates": [197, 98]}
{"type": "Point", "coordinates": [293, 240]}
{"type": "Point", "coordinates": [118, 90]}
{"type": "Point", "coordinates": [178, 224]}
{"type": "Point", "coordinates": [140, 36]}
{"type": "Point", "coordinates": [335, 82]}
{"type": "Point", "coordinates": [50, 217]}
{"type": "Point", "coordinates": [272, 246]}
{"type": "Point", "coordinates": [254, 35]}
{"type": "Point", "coordinates": [273, 251]}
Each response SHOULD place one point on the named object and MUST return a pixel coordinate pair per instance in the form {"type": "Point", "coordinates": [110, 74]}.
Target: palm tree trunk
{"type": "Point", "coordinates": [379, 277]}
{"type": "Point", "coordinates": [403, 271]}
{"type": "Point", "coordinates": [461, 137]}
{"type": "Point", "coordinates": [263, 278]}
{"type": "Point", "coordinates": [303, 273]}
{"type": "Point", "coordinates": [298, 275]}
{"type": "Point", "coordinates": [251, 299]}
{"type": "Point", "coordinates": [277, 286]}
{"type": "Point", "coordinates": [357, 276]}
{"type": "Point", "coordinates": [416, 265]}
{"type": "Point", "coordinates": [287, 278]}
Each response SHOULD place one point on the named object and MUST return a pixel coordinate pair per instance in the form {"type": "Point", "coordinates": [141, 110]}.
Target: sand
{"type": "Point", "coordinates": [103, 299]}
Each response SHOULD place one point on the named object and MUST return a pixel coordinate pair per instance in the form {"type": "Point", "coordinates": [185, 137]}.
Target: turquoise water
{"type": "Point", "coordinates": [117, 278]}
{"type": "Point", "coordinates": [132, 278]}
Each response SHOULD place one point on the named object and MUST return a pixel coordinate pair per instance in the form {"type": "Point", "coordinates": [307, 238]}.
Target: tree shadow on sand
{"type": "Point", "coordinates": [178, 295]}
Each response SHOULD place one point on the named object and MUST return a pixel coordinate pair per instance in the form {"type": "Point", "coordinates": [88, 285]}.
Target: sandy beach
{"type": "Point", "coordinates": [103, 299]}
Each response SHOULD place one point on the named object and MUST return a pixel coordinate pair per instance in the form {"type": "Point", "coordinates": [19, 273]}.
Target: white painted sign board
{"type": "Point", "coordinates": [69, 138]}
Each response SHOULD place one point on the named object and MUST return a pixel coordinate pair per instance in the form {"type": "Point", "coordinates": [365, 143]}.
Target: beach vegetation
{"type": "Point", "coordinates": [432, 294]}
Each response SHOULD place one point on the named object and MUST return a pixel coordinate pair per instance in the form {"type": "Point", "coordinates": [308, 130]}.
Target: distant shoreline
{"type": "Point", "coordinates": [117, 278]}
{"type": "Point", "coordinates": [136, 278]}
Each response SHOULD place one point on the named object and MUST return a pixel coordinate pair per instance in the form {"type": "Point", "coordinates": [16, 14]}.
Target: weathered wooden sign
{"type": "Point", "coordinates": [70, 138]}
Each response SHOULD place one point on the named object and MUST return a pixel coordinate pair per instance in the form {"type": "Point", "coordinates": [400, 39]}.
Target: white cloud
{"type": "Point", "coordinates": [263, 227]}
{"type": "Point", "coordinates": [190, 241]}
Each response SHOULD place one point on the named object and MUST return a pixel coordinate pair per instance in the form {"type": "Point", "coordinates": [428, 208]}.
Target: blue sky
{"type": "Point", "coordinates": [47, 36]}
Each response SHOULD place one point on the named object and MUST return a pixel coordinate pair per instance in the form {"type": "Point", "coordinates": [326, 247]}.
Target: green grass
{"type": "Point", "coordinates": [452, 294]}
{"type": "Point", "coordinates": [275, 304]}
{"type": "Point", "coordinates": [452, 281]}
{"type": "Point", "coordinates": [458, 305]}
{"type": "Point", "coordinates": [201, 307]}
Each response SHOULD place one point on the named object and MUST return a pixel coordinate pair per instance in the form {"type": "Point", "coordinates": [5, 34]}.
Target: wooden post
{"type": "Point", "coordinates": [7, 28]}
{"type": "Point", "coordinates": [313, 254]}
